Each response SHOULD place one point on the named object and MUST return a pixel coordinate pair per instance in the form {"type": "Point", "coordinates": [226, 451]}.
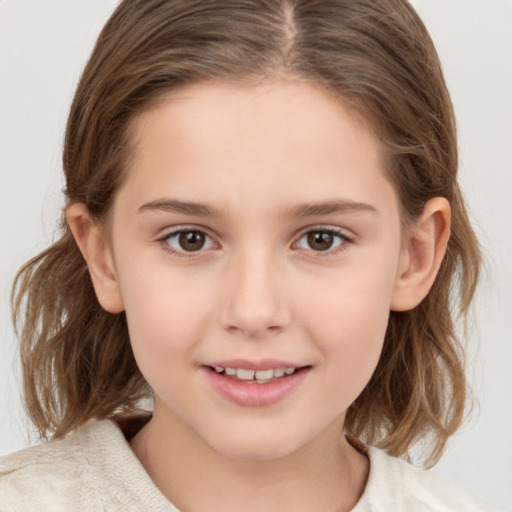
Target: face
{"type": "Point", "coordinates": [256, 245]}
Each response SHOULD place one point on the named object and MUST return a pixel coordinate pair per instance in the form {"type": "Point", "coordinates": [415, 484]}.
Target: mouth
{"type": "Point", "coordinates": [247, 386]}
{"type": "Point", "coordinates": [255, 376]}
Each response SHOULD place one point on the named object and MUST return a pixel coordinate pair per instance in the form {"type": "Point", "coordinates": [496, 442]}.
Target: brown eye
{"type": "Point", "coordinates": [191, 240]}
{"type": "Point", "coordinates": [185, 240]}
{"type": "Point", "coordinates": [320, 240]}
{"type": "Point", "coordinates": [323, 240]}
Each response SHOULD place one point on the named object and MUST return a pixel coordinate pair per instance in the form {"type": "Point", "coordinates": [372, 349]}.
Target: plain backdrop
{"type": "Point", "coordinates": [43, 47]}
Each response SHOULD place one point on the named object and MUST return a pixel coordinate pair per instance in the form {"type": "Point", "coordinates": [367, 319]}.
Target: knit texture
{"type": "Point", "coordinates": [94, 469]}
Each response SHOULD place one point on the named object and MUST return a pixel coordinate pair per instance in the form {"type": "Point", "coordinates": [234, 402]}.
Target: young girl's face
{"type": "Point", "coordinates": [255, 232]}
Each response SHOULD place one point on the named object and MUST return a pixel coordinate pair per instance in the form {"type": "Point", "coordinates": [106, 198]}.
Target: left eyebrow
{"type": "Point", "coordinates": [329, 207]}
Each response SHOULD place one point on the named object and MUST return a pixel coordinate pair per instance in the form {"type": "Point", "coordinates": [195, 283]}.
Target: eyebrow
{"type": "Point", "coordinates": [185, 207]}
{"type": "Point", "coordinates": [301, 210]}
{"type": "Point", "coordinates": [329, 207]}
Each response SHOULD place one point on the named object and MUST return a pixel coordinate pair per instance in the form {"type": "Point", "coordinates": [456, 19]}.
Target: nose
{"type": "Point", "coordinates": [254, 303]}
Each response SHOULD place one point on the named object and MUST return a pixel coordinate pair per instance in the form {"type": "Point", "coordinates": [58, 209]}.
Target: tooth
{"type": "Point", "coordinates": [289, 371]}
{"type": "Point", "coordinates": [230, 371]}
{"type": "Point", "coordinates": [244, 374]}
{"type": "Point", "coordinates": [278, 372]}
{"type": "Point", "coordinates": [262, 381]}
{"type": "Point", "coordinates": [219, 369]}
{"type": "Point", "coordinates": [264, 374]}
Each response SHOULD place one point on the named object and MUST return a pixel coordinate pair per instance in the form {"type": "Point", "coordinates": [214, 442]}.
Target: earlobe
{"type": "Point", "coordinates": [422, 255]}
{"type": "Point", "coordinates": [98, 255]}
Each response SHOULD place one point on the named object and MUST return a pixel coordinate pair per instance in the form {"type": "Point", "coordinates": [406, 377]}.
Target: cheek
{"type": "Point", "coordinates": [353, 302]}
{"type": "Point", "coordinates": [166, 319]}
{"type": "Point", "coordinates": [348, 322]}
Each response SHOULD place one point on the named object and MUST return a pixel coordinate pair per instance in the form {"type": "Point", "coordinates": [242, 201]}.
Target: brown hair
{"type": "Point", "coordinates": [374, 54]}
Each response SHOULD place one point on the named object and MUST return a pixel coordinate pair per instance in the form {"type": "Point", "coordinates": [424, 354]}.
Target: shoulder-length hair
{"type": "Point", "coordinates": [377, 57]}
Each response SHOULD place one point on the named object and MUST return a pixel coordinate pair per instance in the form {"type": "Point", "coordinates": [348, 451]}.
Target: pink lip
{"type": "Point", "coordinates": [251, 394]}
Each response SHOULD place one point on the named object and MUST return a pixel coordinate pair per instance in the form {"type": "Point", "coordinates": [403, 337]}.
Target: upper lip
{"type": "Point", "coordinates": [261, 364]}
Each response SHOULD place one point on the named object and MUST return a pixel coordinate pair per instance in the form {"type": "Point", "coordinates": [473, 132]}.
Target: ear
{"type": "Point", "coordinates": [90, 238]}
{"type": "Point", "coordinates": [422, 255]}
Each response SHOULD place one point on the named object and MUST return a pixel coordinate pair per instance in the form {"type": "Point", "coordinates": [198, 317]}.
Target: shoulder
{"type": "Point", "coordinates": [92, 469]}
{"type": "Point", "coordinates": [55, 475]}
{"type": "Point", "coordinates": [60, 475]}
{"type": "Point", "coordinates": [397, 485]}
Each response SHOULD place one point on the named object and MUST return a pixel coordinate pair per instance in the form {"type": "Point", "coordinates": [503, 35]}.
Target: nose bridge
{"type": "Point", "coordinates": [255, 304]}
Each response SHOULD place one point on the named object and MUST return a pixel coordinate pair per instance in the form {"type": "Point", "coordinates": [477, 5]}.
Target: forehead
{"type": "Point", "coordinates": [292, 108]}
{"type": "Point", "coordinates": [279, 140]}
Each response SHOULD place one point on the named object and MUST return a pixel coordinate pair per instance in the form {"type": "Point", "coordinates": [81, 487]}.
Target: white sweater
{"type": "Point", "coordinates": [94, 469]}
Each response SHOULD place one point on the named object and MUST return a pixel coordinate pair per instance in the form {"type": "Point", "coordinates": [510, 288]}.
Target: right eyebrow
{"type": "Point", "coordinates": [185, 207]}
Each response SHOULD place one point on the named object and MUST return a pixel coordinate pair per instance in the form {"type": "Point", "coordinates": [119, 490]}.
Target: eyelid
{"type": "Point", "coordinates": [172, 230]}
{"type": "Point", "coordinates": [343, 232]}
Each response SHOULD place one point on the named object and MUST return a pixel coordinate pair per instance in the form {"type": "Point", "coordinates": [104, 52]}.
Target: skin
{"type": "Point", "coordinates": [257, 289]}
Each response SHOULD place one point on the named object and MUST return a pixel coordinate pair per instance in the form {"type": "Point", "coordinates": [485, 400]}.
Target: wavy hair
{"type": "Point", "coordinates": [377, 57]}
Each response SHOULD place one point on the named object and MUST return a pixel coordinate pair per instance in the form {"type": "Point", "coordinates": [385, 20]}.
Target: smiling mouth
{"type": "Point", "coordinates": [260, 384]}
{"type": "Point", "coordinates": [256, 376]}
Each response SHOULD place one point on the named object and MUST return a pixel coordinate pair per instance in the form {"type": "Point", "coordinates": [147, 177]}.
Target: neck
{"type": "Point", "coordinates": [327, 474]}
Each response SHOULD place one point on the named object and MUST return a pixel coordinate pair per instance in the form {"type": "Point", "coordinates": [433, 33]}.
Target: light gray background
{"type": "Point", "coordinates": [43, 47]}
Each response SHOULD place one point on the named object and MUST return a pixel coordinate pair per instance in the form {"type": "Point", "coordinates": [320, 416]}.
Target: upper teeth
{"type": "Point", "coordinates": [245, 374]}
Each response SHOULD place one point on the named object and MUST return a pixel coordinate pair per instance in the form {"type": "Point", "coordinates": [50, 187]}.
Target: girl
{"type": "Point", "coordinates": [263, 235]}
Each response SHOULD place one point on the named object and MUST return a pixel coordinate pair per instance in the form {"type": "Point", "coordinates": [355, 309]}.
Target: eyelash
{"type": "Point", "coordinates": [345, 240]}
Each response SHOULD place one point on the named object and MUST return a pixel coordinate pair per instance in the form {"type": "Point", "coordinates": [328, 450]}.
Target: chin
{"type": "Point", "coordinates": [257, 452]}
{"type": "Point", "coordinates": [254, 445]}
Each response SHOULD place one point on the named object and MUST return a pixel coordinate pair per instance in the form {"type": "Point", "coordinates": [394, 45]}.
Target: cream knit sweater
{"type": "Point", "coordinates": [94, 469]}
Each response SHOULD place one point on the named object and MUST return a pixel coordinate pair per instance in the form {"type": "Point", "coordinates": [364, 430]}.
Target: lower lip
{"type": "Point", "coordinates": [251, 394]}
